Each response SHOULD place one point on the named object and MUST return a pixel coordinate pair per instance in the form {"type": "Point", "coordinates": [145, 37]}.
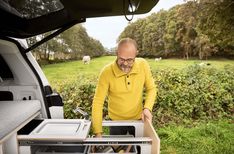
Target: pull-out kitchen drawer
{"type": "Point", "coordinates": [56, 136]}
{"type": "Point", "coordinates": [70, 136]}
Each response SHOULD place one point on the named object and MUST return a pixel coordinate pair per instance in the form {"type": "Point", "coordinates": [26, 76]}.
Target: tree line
{"type": "Point", "coordinates": [72, 44]}
{"type": "Point", "coordinates": [198, 28]}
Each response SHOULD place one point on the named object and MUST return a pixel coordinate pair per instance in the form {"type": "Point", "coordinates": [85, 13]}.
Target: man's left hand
{"type": "Point", "coordinates": [146, 114]}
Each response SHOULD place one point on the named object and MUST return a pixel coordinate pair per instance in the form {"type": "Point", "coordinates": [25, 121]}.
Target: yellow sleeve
{"type": "Point", "coordinates": [98, 101]}
{"type": "Point", "coordinates": [150, 88]}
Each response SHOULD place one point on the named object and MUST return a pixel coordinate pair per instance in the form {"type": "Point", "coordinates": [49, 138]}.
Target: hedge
{"type": "Point", "coordinates": [196, 93]}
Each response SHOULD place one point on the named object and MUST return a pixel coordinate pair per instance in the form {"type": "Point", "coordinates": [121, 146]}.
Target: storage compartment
{"type": "Point", "coordinates": [60, 150]}
{"type": "Point", "coordinates": [113, 149]}
{"type": "Point", "coordinates": [109, 149]}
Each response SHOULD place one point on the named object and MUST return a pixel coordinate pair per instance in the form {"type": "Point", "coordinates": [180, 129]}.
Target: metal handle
{"type": "Point", "coordinates": [85, 114]}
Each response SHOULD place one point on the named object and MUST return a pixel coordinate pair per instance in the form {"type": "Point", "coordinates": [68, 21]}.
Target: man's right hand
{"type": "Point", "coordinates": [98, 135]}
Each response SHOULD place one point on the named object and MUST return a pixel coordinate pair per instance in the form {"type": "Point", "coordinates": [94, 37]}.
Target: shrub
{"type": "Point", "coordinates": [195, 93]}
{"type": "Point", "coordinates": [79, 94]}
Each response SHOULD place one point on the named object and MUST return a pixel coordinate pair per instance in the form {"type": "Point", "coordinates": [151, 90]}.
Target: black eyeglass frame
{"type": "Point", "coordinates": [129, 60]}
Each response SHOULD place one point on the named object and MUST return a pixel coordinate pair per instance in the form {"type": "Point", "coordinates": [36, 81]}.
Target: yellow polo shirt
{"type": "Point", "coordinates": [124, 92]}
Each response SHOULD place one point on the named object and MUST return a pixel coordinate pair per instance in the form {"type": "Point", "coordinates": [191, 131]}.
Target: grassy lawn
{"type": "Point", "coordinates": [180, 63]}
{"type": "Point", "coordinates": [215, 137]}
{"type": "Point", "coordinates": [61, 72]}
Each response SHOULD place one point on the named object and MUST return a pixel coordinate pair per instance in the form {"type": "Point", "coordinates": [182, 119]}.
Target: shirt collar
{"type": "Point", "coordinates": [118, 72]}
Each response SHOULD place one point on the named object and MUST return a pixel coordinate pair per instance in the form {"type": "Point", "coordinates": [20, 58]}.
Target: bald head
{"type": "Point", "coordinates": [126, 53]}
{"type": "Point", "coordinates": [127, 43]}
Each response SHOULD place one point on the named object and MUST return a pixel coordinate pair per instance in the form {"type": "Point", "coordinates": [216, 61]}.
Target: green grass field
{"type": "Point", "coordinates": [204, 138]}
{"type": "Point", "coordinates": [61, 72]}
{"type": "Point", "coordinates": [216, 137]}
{"type": "Point", "coordinates": [179, 64]}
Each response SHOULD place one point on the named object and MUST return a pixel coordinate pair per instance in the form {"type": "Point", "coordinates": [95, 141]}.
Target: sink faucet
{"type": "Point", "coordinates": [83, 113]}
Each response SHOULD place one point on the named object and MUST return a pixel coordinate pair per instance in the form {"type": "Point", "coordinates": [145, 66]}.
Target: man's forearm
{"type": "Point", "coordinates": [150, 98]}
{"type": "Point", "coordinates": [97, 117]}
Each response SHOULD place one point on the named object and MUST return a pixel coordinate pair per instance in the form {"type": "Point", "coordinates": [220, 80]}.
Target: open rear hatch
{"type": "Point", "coordinates": [27, 18]}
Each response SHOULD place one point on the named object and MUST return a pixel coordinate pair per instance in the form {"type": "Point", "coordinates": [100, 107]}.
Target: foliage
{"type": "Point", "coordinates": [74, 43]}
{"type": "Point", "coordinates": [79, 94]}
{"type": "Point", "coordinates": [194, 29]}
{"type": "Point", "coordinates": [81, 44]}
{"type": "Point", "coordinates": [216, 21]}
{"type": "Point", "coordinates": [193, 94]}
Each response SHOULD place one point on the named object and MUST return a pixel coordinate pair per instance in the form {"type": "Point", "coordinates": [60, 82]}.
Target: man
{"type": "Point", "coordinates": [123, 82]}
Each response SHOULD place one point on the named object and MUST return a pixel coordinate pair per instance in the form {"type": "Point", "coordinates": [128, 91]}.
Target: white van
{"type": "Point", "coordinates": [29, 109]}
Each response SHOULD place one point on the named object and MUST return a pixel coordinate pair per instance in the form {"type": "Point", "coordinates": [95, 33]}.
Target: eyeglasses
{"type": "Point", "coordinates": [129, 60]}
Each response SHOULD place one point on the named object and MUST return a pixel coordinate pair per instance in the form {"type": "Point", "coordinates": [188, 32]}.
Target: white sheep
{"type": "Point", "coordinates": [204, 64]}
{"type": "Point", "coordinates": [158, 59]}
{"type": "Point", "coordinates": [86, 59]}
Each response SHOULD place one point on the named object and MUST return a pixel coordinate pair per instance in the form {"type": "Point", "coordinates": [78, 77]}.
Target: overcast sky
{"type": "Point", "coordinates": [107, 29]}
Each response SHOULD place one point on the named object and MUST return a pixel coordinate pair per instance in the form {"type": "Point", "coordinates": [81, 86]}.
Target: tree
{"type": "Point", "coordinates": [180, 31]}
{"type": "Point", "coordinates": [74, 43]}
{"type": "Point", "coordinates": [216, 20]}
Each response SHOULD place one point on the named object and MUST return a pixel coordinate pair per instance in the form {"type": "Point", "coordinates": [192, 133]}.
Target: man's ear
{"type": "Point", "coordinates": [116, 52]}
{"type": "Point", "coordinates": [137, 52]}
